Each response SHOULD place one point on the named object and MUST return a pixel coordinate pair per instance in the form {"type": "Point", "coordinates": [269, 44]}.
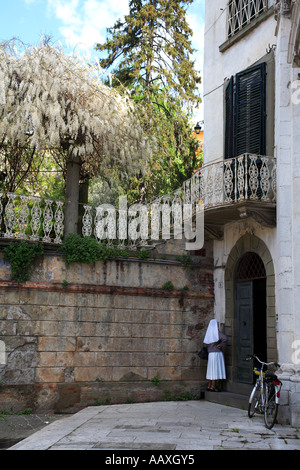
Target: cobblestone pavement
{"type": "Point", "coordinates": [162, 426]}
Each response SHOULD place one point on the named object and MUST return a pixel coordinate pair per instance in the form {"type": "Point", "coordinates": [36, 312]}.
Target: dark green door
{"type": "Point", "coordinates": [244, 337]}
{"type": "Point", "coordinates": [251, 328]}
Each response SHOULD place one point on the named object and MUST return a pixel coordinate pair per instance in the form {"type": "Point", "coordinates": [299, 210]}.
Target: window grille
{"type": "Point", "coordinates": [242, 12]}
{"type": "Point", "coordinates": [251, 267]}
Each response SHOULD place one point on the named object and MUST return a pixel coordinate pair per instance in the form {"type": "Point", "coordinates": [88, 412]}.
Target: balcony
{"type": "Point", "coordinates": [238, 188]}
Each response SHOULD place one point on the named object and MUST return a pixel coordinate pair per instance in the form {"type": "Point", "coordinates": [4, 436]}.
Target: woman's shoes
{"type": "Point", "coordinates": [212, 390]}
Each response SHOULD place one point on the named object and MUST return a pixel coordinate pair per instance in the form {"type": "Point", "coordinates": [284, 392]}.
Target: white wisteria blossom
{"type": "Point", "coordinates": [53, 101]}
{"type": "Point", "coordinates": [61, 98]}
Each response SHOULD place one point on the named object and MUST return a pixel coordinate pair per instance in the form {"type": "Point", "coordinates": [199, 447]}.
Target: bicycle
{"type": "Point", "coordinates": [265, 395]}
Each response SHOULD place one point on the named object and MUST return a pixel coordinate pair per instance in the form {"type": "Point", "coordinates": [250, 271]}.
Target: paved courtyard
{"type": "Point", "coordinates": [162, 426]}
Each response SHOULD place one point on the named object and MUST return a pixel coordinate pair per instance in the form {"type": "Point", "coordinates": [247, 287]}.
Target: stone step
{"type": "Point", "coordinates": [235, 400]}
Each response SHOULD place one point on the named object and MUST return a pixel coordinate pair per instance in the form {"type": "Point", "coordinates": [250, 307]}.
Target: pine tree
{"type": "Point", "coordinates": [150, 53]}
{"type": "Point", "coordinates": [154, 45]}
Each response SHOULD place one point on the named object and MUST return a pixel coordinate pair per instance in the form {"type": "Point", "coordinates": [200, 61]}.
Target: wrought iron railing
{"type": "Point", "coordinates": [244, 178]}
{"type": "Point", "coordinates": [232, 181]}
{"type": "Point", "coordinates": [31, 218]}
{"type": "Point", "coordinates": [242, 12]}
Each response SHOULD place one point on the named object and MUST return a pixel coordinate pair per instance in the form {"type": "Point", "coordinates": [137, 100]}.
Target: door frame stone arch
{"type": "Point", "coordinates": [248, 243]}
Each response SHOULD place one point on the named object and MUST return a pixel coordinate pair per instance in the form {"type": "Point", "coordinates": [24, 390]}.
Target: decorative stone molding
{"type": "Point", "coordinates": [263, 218]}
{"type": "Point", "coordinates": [294, 40]}
{"type": "Point", "coordinates": [290, 9]}
{"type": "Point", "coordinates": [289, 372]}
{"type": "Point", "coordinates": [248, 243]}
{"type": "Point", "coordinates": [283, 7]}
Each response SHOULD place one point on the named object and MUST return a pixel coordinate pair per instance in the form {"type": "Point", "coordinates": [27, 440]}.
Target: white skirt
{"type": "Point", "coordinates": [215, 366]}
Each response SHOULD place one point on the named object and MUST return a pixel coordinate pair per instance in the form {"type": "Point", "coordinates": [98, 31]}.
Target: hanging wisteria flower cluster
{"type": "Point", "coordinates": [49, 100]}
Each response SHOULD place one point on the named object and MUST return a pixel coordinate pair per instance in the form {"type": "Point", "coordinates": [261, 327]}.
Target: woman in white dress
{"type": "Point", "coordinates": [215, 341]}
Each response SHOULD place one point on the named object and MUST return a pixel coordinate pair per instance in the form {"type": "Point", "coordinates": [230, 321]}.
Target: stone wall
{"type": "Point", "coordinates": [103, 332]}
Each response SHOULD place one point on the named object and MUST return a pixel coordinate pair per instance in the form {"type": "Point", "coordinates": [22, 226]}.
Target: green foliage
{"type": "Point", "coordinates": [107, 401]}
{"type": "Point", "coordinates": [156, 380]}
{"type": "Point", "coordinates": [45, 178]}
{"type": "Point", "coordinates": [150, 50]}
{"type": "Point", "coordinates": [186, 260]}
{"type": "Point", "coordinates": [21, 255]}
{"type": "Point", "coordinates": [168, 285]}
{"type": "Point", "coordinates": [87, 250]}
{"type": "Point", "coordinates": [183, 396]}
{"type": "Point", "coordinates": [182, 296]}
{"type": "Point", "coordinates": [154, 47]}
{"type": "Point", "coordinates": [82, 250]}
{"type": "Point", "coordinates": [168, 396]}
{"type": "Point", "coordinates": [26, 411]}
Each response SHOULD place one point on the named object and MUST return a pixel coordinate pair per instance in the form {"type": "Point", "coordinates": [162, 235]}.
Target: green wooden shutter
{"type": "Point", "coordinates": [250, 106]}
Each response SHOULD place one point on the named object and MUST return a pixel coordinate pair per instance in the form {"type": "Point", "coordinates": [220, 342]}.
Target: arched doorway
{"type": "Point", "coordinates": [251, 316]}
{"type": "Point", "coordinates": [258, 271]}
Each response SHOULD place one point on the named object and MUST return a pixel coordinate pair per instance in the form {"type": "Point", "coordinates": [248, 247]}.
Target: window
{"type": "Point", "coordinates": [245, 109]}
{"type": "Point", "coordinates": [251, 267]}
{"type": "Point", "coordinates": [242, 12]}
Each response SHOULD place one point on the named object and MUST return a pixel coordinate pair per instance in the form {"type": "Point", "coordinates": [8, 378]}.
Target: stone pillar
{"type": "Point", "coordinates": [287, 138]}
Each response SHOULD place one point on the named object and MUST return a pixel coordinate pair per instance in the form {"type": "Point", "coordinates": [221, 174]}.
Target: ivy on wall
{"type": "Point", "coordinates": [21, 255]}
{"type": "Point", "coordinates": [87, 250]}
{"type": "Point", "coordinates": [75, 249]}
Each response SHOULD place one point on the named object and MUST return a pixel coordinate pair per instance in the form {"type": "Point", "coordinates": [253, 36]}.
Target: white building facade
{"type": "Point", "coordinates": [251, 185]}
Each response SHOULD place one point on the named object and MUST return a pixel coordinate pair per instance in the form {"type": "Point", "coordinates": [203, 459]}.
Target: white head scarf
{"type": "Point", "coordinates": [212, 332]}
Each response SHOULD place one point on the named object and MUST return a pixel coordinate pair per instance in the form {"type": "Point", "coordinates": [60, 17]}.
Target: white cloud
{"type": "Point", "coordinates": [84, 22]}
{"type": "Point", "coordinates": [66, 11]}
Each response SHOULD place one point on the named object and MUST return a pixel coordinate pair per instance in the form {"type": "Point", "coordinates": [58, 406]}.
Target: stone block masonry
{"type": "Point", "coordinates": [105, 332]}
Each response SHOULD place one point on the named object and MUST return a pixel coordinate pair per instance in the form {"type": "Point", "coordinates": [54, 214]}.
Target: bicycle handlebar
{"type": "Point", "coordinates": [253, 356]}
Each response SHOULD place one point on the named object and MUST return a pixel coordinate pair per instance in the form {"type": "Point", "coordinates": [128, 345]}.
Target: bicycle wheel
{"type": "Point", "coordinates": [271, 407]}
{"type": "Point", "coordinates": [254, 401]}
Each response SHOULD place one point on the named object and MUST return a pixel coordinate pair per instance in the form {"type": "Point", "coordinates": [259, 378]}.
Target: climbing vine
{"type": "Point", "coordinates": [21, 255]}
{"type": "Point", "coordinates": [87, 250]}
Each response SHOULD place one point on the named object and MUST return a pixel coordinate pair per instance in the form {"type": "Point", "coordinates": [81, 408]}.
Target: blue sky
{"type": "Point", "coordinates": [75, 23]}
{"type": "Point", "coordinates": [78, 24]}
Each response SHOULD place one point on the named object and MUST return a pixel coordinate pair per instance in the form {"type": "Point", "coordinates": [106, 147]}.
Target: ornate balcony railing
{"type": "Point", "coordinates": [225, 183]}
{"type": "Point", "coordinates": [236, 180]}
